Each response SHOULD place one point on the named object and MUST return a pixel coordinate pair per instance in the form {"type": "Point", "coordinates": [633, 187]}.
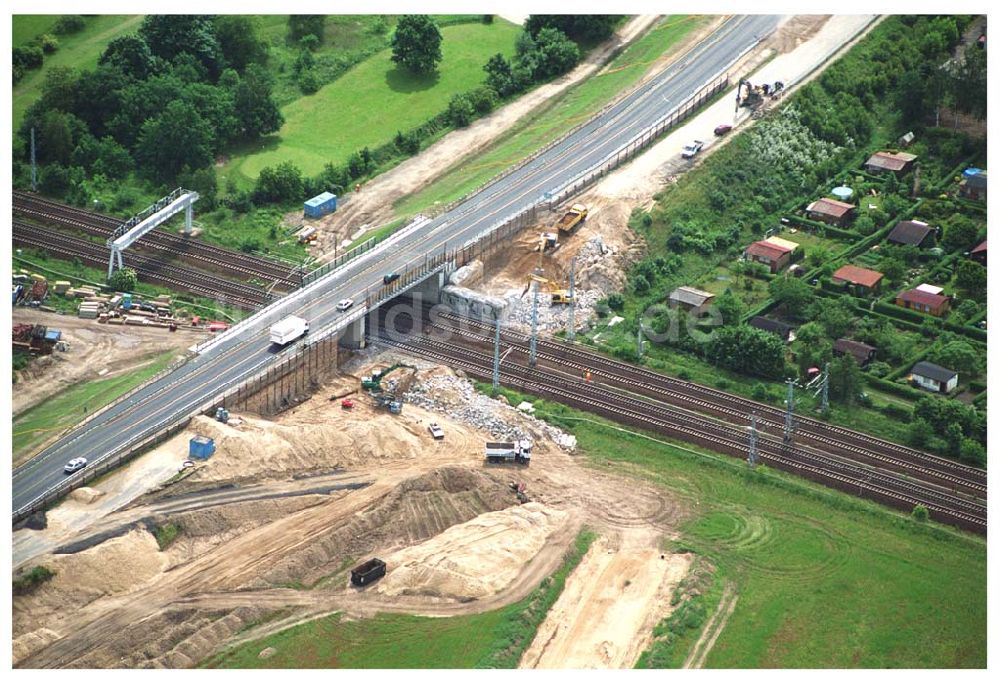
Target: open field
{"type": "Point", "coordinates": [491, 639]}
{"type": "Point", "coordinates": [823, 579]}
{"type": "Point", "coordinates": [36, 425]}
{"type": "Point", "coordinates": [80, 51]}
{"type": "Point", "coordinates": [371, 102]}
{"type": "Point", "coordinates": [565, 112]}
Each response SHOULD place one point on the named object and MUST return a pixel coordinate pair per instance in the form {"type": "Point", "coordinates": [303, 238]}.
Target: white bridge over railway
{"type": "Point", "coordinates": [149, 219]}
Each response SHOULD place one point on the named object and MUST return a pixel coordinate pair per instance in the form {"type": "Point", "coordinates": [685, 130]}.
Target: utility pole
{"type": "Point", "coordinates": [34, 165]}
{"type": "Point", "coordinates": [752, 455]}
{"type": "Point", "coordinates": [496, 359]}
{"type": "Point", "coordinates": [532, 350]}
{"type": "Point", "coordinates": [825, 394]}
{"type": "Point", "coordinates": [789, 410]}
{"type": "Point", "coordinates": [640, 345]}
{"type": "Point", "coordinates": [571, 330]}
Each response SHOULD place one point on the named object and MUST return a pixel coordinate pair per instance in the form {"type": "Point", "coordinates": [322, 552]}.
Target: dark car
{"type": "Point", "coordinates": [721, 130]}
{"type": "Point", "coordinates": [390, 278]}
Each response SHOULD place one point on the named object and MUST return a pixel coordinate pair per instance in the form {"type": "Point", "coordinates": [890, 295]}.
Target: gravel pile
{"type": "Point", "coordinates": [457, 399]}
{"type": "Point", "coordinates": [551, 318]}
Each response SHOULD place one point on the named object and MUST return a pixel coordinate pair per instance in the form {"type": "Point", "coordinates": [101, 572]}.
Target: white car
{"type": "Point", "coordinates": [691, 149]}
{"type": "Point", "coordinates": [436, 431]}
{"type": "Point", "coordinates": [75, 465]}
{"type": "Point", "coordinates": [345, 304]}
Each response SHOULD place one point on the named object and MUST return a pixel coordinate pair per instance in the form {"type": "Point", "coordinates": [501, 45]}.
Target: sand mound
{"type": "Point", "coordinates": [114, 567]}
{"type": "Point", "coordinates": [27, 644]}
{"type": "Point", "coordinates": [85, 495]}
{"type": "Point", "coordinates": [475, 559]}
{"type": "Point", "coordinates": [261, 446]}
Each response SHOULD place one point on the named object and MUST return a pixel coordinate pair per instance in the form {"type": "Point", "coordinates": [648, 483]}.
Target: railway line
{"type": "Point", "coordinates": [835, 439]}
{"type": "Point", "coordinates": [880, 484]}
{"type": "Point", "coordinates": [151, 270]}
{"type": "Point", "coordinates": [201, 255]}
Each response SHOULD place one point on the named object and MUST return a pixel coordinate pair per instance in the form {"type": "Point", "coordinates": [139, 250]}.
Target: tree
{"type": "Point", "coordinates": [557, 54]}
{"type": "Point", "coordinates": [279, 184]}
{"type": "Point", "coordinates": [958, 355]}
{"type": "Point", "coordinates": [845, 379]}
{"type": "Point", "coordinates": [747, 350]}
{"type": "Point", "coordinates": [792, 294]}
{"type": "Point", "coordinates": [579, 27]}
{"type": "Point", "coordinates": [971, 276]}
{"type": "Point", "coordinates": [123, 279]}
{"type": "Point", "coordinates": [308, 81]}
{"type": "Point", "coordinates": [959, 234]}
{"type": "Point", "coordinates": [969, 85]}
{"type": "Point", "coordinates": [131, 55]}
{"type": "Point", "coordinates": [500, 75]}
{"type": "Point", "coordinates": [27, 57]}
{"type": "Point", "coordinates": [300, 25]}
{"type": "Point", "coordinates": [972, 452]}
{"type": "Point", "coordinates": [103, 157]}
{"type": "Point", "coordinates": [56, 136]}
{"type": "Point", "coordinates": [836, 317]}
{"type": "Point", "coordinates": [170, 35]}
{"type": "Point", "coordinates": [730, 307]}
{"type": "Point", "coordinates": [239, 41]}
{"type": "Point", "coordinates": [416, 43]}
{"type": "Point", "coordinates": [812, 347]}
{"type": "Point", "coordinates": [920, 433]}
{"type": "Point", "coordinates": [893, 268]}
{"type": "Point", "coordinates": [460, 110]}
{"type": "Point", "coordinates": [176, 138]}
{"type": "Point", "coordinates": [255, 109]}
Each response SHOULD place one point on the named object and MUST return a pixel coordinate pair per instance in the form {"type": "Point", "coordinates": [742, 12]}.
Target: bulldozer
{"type": "Point", "coordinates": [755, 94]}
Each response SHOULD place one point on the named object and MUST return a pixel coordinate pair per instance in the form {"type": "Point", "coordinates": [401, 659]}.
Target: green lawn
{"type": "Point", "coordinates": [371, 102]}
{"type": "Point", "coordinates": [25, 27]}
{"type": "Point", "coordinates": [495, 639]}
{"type": "Point", "coordinates": [80, 51]}
{"type": "Point", "coordinates": [32, 427]}
{"type": "Point", "coordinates": [558, 116]}
{"type": "Point", "coordinates": [824, 579]}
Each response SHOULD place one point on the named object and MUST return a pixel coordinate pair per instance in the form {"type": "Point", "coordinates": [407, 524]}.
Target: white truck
{"type": "Point", "coordinates": [288, 329]}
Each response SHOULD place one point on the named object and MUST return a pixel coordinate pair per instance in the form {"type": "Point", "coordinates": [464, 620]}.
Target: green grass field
{"type": "Point", "coordinates": [369, 103]}
{"type": "Point", "coordinates": [33, 426]}
{"type": "Point", "coordinates": [80, 51]}
{"type": "Point", "coordinates": [559, 116]}
{"type": "Point", "coordinates": [824, 579]}
{"type": "Point", "coordinates": [495, 639]}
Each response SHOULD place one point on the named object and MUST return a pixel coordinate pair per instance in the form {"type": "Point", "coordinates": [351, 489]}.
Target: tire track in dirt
{"type": "Point", "coordinates": [714, 628]}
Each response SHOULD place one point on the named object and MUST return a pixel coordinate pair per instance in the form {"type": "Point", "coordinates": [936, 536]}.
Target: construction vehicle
{"type": "Point", "coordinates": [576, 214]}
{"type": "Point", "coordinates": [388, 400]}
{"type": "Point", "coordinates": [373, 382]}
{"type": "Point", "coordinates": [518, 452]}
{"type": "Point", "coordinates": [755, 94]}
{"type": "Point", "coordinates": [288, 329]}
{"type": "Point", "coordinates": [559, 296]}
{"type": "Point", "coordinates": [368, 572]}
{"type": "Point", "coordinates": [521, 491]}
{"type": "Point", "coordinates": [222, 415]}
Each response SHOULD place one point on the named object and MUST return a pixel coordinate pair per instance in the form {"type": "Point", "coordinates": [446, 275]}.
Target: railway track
{"type": "Point", "coordinates": [835, 439]}
{"type": "Point", "coordinates": [199, 254]}
{"type": "Point", "coordinates": [151, 270]}
{"type": "Point", "coordinates": [882, 485]}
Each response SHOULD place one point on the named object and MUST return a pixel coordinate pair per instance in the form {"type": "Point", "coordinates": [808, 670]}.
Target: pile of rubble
{"type": "Point", "coordinates": [551, 318]}
{"type": "Point", "coordinates": [458, 399]}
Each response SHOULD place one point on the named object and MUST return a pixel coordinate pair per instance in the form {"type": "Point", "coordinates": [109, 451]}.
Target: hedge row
{"type": "Point", "coordinates": [902, 390]}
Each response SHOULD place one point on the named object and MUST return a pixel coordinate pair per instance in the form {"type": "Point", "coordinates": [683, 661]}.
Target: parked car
{"type": "Point", "coordinates": [75, 465]}
{"type": "Point", "coordinates": [436, 431]}
{"type": "Point", "coordinates": [691, 149]}
{"type": "Point", "coordinates": [390, 278]}
{"type": "Point", "coordinates": [721, 130]}
{"type": "Point", "coordinates": [345, 304]}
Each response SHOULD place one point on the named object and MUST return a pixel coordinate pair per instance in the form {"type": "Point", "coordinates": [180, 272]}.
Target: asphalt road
{"type": "Point", "coordinates": [175, 395]}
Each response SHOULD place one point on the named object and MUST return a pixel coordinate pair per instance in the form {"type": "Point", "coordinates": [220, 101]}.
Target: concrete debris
{"type": "Point", "coordinates": [551, 318]}
{"type": "Point", "coordinates": [467, 275]}
{"type": "Point", "coordinates": [460, 401]}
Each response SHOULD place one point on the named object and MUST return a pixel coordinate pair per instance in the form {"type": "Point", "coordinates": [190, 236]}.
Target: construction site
{"type": "Point", "coordinates": [373, 469]}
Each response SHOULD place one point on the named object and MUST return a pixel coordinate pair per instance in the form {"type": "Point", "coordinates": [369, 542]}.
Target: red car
{"type": "Point", "coordinates": [721, 130]}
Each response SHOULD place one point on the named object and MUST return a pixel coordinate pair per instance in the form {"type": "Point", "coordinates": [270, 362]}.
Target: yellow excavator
{"type": "Point", "coordinates": [559, 296]}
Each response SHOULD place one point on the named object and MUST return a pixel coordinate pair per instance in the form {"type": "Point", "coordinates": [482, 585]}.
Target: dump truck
{"type": "Point", "coordinates": [576, 214]}
{"type": "Point", "coordinates": [518, 452]}
{"type": "Point", "coordinates": [288, 329]}
{"type": "Point", "coordinates": [368, 572]}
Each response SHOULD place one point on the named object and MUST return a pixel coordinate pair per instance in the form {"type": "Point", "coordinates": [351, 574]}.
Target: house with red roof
{"type": "Point", "coordinates": [862, 280]}
{"type": "Point", "coordinates": [830, 211]}
{"type": "Point", "coordinates": [893, 162]}
{"type": "Point", "coordinates": [773, 252]}
{"type": "Point", "coordinates": [924, 302]}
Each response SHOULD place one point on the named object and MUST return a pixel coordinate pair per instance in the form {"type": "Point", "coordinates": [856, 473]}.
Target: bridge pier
{"type": "Point", "coordinates": [354, 335]}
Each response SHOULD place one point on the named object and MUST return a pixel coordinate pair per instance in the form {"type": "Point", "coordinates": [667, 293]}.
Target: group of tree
{"type": "Point", "coordinates": [31, 55]}
{"type": "Point", "coordinates": [164, 101]}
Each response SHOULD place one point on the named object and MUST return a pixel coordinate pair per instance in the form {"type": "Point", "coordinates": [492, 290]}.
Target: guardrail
{"type": "Point", "coordinates": [415, 271]}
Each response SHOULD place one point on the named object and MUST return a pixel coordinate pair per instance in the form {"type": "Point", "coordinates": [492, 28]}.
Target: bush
{"type": "Point", "coordinates": [28, 57]}
{"type": "Point", "coordinates": [920, 513]}
{"type": "Point", "coordinates": [69, 23]}
{"type": "Point", "coordinates": [461, 110]}
{"type": "Point", "coordinates": [279, 184]}
{"type": "Point", "coordinates": [308, 81]}
{"type": "Point", "coordinates": [124, 279]}
{"type": "Point", "coordinates": [29, 581]}
{"type": "Point", "coordinates": [48, 42]}
{"type": "Point", "coordinates": [616, 302]}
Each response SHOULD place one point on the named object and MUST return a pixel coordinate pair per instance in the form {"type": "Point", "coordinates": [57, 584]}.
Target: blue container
{"type": "Point", "coordinates": [320, 205]}
{"type": "Point", "coordinates": [53, 335]}
{"type": "Point", "coordinates": [201, 447]}
{"type": "Point", "coordinates": [969, 172]}
{"type": "Point", "coordinates": [126, 301]}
